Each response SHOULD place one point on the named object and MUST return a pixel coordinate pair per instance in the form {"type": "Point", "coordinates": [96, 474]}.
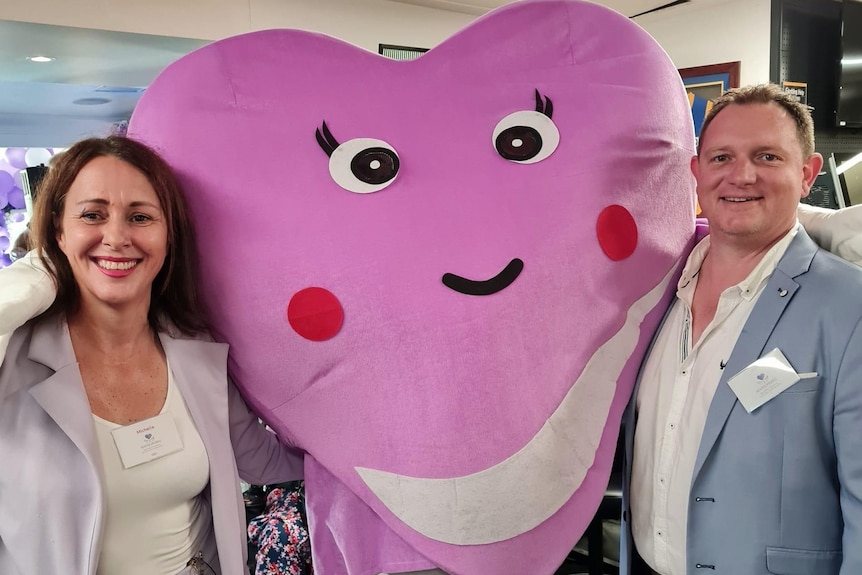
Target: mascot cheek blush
{"type": "Point", "coordinates": [438, 277]}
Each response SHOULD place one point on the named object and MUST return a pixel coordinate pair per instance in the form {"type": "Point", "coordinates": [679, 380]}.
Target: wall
{"type": "Point", "coordinates": [362, 22]}
{"type": "Point", "coordinates": [701, 32]}
{"type": "Point", "coordinates": [693, 34]}
{"type": "Point", "coordinates": [714, 31]}
{"type": "Point", "coordinates": [853, 183]}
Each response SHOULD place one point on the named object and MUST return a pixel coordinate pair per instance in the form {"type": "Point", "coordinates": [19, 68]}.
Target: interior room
{"type": "Point", "coordinates": [72, 70]}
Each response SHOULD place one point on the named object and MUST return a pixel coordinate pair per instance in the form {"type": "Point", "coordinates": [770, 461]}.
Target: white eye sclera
{"type": "Point", "coordinates": [364, 165]}
{"type": "Point", "coordinates": [525, 137]}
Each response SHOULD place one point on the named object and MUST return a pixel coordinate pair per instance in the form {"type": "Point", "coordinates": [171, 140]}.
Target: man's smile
{"type": "Point", "coordinates": [740, 200]}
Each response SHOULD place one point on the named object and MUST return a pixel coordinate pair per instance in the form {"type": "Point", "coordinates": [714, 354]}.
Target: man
{"type": "Point", "coordinates": [716, 489]}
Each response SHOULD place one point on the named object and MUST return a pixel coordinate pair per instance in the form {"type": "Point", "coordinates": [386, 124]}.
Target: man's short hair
{"type": "Point", "coordinates": [766, 94]}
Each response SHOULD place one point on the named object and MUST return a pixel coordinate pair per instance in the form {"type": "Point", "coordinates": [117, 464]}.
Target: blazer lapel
{"type": "Point", "coordinates": [64, 399]}
{"type": "Point", "coordinates": [200, 373]}
{"type": "Point", "coordinates": [62, 395]}
{"type": "Point", "coordinates": [199, 370]}
{"type": "Point", "coordinates": [752, 341]}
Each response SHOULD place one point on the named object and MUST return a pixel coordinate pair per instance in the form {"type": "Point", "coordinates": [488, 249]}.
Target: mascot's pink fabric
{"type": "Point", "coordinates": [438, 277]}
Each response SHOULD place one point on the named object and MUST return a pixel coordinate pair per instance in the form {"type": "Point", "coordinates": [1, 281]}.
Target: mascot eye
{"type": "Point", "coordinates": [364, 165]}
{"type": "Point", "coordinates": [526, 137]}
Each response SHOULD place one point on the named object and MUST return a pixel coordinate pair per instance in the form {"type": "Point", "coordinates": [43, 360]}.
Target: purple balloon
{"type": "Point", "coordinates": [5, 261]}
{"type": "Point", "coordinates": [4, 243]}
{"type": "Point", "coordinates": [17, 217]}
{"type": "Point", "coordinates": [16, 198]}
{"type": "Point", "coordinates": [7, 182]}
{"type": "Point", "coordinates": [16, 157]}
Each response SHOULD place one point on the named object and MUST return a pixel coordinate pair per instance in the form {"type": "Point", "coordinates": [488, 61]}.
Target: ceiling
{"type": "Point", "coordinates": [98, 76]}
{"type": "Point", "coordinates": [627, 7]}
{"type": "Point", "coordinates": [37, 101]}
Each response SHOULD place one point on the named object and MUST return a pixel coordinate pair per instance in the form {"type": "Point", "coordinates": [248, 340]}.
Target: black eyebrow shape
{"type": "Point", "coordinates": [326, 140]}
{"type": "Point", "coordinates": [546, 107]}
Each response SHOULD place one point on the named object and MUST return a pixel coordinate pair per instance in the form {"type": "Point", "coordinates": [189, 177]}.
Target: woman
{"type": "Point", "coordinates": [121, 439]}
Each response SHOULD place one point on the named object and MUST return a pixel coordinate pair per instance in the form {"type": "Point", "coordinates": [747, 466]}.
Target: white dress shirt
{"type": "Point", "coordinates": [676, 388]}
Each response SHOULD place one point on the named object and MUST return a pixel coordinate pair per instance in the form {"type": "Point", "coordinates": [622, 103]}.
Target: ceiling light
{"type": "Point", "coordinates": [91, 101]}
{"type": "Point", "coordinates": [40, 59]}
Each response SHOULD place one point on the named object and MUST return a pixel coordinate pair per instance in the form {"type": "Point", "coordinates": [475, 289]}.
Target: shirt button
{"type": "Point", "coordinates": [672, 426]}
{"type": "Point", "coordinates": [683, 372]}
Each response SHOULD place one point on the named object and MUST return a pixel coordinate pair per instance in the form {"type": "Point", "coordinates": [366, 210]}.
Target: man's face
{"type": "Point", "coordinates": [751, 174]}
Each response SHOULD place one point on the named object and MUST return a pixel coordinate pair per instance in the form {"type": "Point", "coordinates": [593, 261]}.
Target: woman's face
{"type": "Point", "coordinates": [114, 234]}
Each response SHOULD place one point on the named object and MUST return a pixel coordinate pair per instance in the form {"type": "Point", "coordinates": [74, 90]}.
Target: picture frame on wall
{"type": "Point", "coordinates": [400, 52]}
{"type": "Point", "coordinates": [704, 84]}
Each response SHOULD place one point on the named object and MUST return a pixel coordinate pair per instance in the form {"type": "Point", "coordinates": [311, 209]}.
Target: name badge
{"type": "Point", "coordinates": [764, 379]}
{"type": "Point", "coordinates": [147, 440]}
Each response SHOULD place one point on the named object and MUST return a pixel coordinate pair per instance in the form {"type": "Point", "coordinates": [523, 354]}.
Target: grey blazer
{"type": "Point", "coordinates": [51, 505]}
{"type": "Point", "coordinates": [780, 490]}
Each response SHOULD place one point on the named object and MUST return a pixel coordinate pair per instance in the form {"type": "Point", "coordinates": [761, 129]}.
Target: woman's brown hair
{"type": "Point", "coordinates": [174, 295]}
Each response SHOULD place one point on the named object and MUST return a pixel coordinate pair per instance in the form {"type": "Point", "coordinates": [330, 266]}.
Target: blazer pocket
{"type": "Point", "coordinates": [785, 561]}
{"type": "Point", "coordinates": [805, 385]}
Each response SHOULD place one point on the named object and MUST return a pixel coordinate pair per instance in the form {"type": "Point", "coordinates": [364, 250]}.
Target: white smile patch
{"type": "Point", "coordinates": [521, 492]}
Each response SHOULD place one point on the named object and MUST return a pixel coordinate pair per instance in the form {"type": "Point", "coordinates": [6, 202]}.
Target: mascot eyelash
{"type": "Point", "coordinates": [546, 107]}
{"type": "Point", "coordinates": [328, 142]}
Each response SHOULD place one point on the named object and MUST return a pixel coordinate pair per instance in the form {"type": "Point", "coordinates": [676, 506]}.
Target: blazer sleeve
{"type": "Point", "coordinates": [261, 458]}
{"type": "Point", "coordinates": [27, 291]}
{"type": "Point", "coordinates": [848, 448]}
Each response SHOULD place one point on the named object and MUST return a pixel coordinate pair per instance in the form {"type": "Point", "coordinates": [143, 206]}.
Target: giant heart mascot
{"type": "Point", "coordinates": [437, 277]}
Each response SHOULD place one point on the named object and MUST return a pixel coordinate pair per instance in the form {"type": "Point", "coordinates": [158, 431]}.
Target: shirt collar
{"type": "Point", "coordinates": [747, 288]}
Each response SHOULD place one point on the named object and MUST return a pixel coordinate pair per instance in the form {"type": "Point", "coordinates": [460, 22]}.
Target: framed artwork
{"type": "Point", "coordinates": [706, 83]}
{"type": "Point", "coordinates": [400, 52]}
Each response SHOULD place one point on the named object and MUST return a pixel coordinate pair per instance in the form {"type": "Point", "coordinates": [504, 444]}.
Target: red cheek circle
{"type": "Point", "coordinates": [617, 232]}
{"type": "Point", "coordinates": [315, 314]}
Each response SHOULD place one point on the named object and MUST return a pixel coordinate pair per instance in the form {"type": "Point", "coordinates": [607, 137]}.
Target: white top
{"type": "Point", "coordinates": [676, 388]}
{"type": "Point", "coordinates": [155, 520]}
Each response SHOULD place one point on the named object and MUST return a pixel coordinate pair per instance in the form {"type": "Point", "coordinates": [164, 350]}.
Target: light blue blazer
{"type": "Point", "coordinates": [780, 490]}
{"type": "Point", "coordinates": [51, 501]}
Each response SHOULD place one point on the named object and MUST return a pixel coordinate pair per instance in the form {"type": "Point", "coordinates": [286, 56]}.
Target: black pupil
{"type": "Point", "coordinates": [374, 165]}
{"type": "Point", "coordinates": [519, 143]}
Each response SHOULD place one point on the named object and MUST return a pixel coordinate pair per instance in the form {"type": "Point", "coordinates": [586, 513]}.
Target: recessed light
{"type": "Point", "coordinates": [91, 101]}
{"type": "Point", "coordinates": [40, 59]}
